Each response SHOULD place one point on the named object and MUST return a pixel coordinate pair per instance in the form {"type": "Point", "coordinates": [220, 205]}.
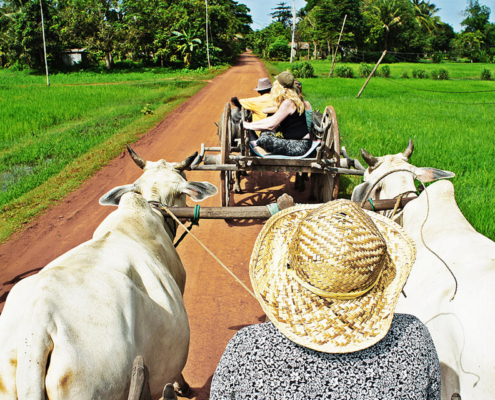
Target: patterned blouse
{"type": "Point", "coordinates": [261, 363]}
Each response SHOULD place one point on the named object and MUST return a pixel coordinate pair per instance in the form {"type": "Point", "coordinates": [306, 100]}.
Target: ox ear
{"type": "Point", "coordinates": [112, 198]}
{"type": "Point", "coordinates": [360, 191]}
{"type": "Point", "coordinates": [432, 174]}
{"type": "Point", "coordinates": [198, 190]}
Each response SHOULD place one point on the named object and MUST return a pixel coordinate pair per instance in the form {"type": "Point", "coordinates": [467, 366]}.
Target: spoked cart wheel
{"type": "Point", "coordinates": [329, 183]}
{"type": "Point", "coordinates": [225, 146]}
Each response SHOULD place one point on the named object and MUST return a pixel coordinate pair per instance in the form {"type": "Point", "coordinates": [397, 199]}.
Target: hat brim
{"type": "Point", "coordinates": [324, 324]}
{"type": "Point", "coordinates": [259, 89]}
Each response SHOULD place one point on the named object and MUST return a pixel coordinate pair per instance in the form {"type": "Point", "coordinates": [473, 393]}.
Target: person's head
{"type": "Point", "coordinates": [264, 86]}
{"type": "Point", "coordinates": [329, 277]}
{"type": "Point", "coordinates": [283, 89]}
{"type": "Point", "coordinates": [298, 86]}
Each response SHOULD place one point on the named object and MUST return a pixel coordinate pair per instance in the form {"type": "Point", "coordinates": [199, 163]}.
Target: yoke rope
{"type": "Point", "coordinates": [194, 221]}
{"type": "Point", "coordinates": [208, 250]}
{"type": "Point", "coordinates": [424, 222]}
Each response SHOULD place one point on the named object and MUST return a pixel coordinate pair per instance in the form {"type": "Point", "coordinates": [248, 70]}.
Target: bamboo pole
{"type": "Point", "coordinates": [372, 72]}
{"type": "Point", "coordinates": [337, 47]}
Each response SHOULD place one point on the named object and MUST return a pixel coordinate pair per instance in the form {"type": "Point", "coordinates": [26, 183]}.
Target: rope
{"type": "Point", "coordinates": [424, 244]}
{"type": "Point", "coordinates": [397, 203]}
{"type": "Point", "coordinates": [424, 222]}
{"type": "Point", "coordinates": [213, 255]}
{"type": "Point", "coordinates": [372, 205]}
{"type": "Point", "coordinates": [194, 221]}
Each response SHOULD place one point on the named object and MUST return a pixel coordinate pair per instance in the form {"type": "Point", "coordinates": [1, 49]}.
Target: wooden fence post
{"type": "Point", "coordinates": [372, 72]}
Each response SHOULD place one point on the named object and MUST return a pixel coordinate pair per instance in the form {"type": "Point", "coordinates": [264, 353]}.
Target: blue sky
{"type": "Point", "coordinates": [450, 10]}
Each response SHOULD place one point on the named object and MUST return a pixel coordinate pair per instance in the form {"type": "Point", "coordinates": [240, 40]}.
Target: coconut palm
{"type": "Point", "coordinates": [424, 13]}
{"type": "Point", "coordinates": [388, 14]}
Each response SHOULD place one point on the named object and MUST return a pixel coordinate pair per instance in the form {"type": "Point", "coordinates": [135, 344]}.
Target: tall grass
{"type": "Point", "coordinates": [44, 129]}
{"type": "Point", "coordinates": [465, 71]}
{"type": "Point", "coordinates": [451, 131]}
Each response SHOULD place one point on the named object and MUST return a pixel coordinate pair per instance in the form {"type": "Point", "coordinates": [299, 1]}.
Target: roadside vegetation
{"type": "Point", "coordinates": [54, 138]}
{"type": "Point", "coordinates": [450, 123]}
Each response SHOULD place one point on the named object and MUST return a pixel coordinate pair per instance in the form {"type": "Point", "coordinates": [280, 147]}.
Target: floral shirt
{"type": "Point", "coordinates": [261, 363]}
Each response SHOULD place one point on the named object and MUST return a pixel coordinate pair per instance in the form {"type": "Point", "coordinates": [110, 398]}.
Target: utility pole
{"type": "Point", "coordinates": [293, 27]}
{"type": "Point", "coordinates": [44, 44]}
{"type": "Point", "coordinates": [207, 47]}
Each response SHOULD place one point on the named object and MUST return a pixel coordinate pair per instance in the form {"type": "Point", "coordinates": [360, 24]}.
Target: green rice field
{"type": "Point", "coordinates": [450, 122]}
{"type": "Point", "coordinates": [49, 131]}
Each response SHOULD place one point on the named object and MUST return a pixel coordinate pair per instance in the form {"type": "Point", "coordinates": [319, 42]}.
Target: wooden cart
{"type": "Point", "coordinates": [235, 156]}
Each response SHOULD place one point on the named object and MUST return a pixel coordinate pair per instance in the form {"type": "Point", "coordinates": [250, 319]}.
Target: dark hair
{"type": "Point", "coordinates": [262, 92]}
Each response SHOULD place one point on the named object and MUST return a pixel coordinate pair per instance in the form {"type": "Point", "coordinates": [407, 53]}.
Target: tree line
{"type": "Point", "coordinates": [159, 32]}
{"type": "Point", "coordinates": [408, 29]}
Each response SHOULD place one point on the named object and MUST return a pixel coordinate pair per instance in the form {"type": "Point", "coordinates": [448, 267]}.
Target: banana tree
{"type": "Point", "coordinates": [187, 43]}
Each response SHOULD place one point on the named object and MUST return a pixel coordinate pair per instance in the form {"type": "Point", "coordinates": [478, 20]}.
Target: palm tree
{"type": "Point", "coordinates": [389, 14]}
{"type": "Point", "coordinates": [424, 13]}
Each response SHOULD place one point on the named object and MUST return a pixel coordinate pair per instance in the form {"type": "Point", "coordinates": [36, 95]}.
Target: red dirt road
{"type": "Point", "coordinates": [217, 305]}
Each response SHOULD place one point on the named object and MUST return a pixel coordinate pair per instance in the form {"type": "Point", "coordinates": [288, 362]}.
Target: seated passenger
{"type": "Point", "coordinates": [308, 110]}
{"type": "Point", "coordinates": [329, 279]}
{"type": "Point", "coordinates": [289, 119]}
{"type": "Point", "coordinates": [257, 104]}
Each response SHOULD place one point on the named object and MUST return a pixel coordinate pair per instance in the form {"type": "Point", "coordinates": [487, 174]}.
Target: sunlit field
{"type": "Point", "coordinates": [44, 129]}
{"type": "Point", "coordinates": [450, 122]}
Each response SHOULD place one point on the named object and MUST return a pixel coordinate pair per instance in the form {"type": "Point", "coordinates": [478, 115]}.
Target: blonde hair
{"type": "Point", "coordinates": [280, 93]}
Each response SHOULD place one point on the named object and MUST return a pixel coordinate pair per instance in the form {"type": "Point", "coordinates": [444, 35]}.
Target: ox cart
{"type": "Point", "coordinates": [234, 156]}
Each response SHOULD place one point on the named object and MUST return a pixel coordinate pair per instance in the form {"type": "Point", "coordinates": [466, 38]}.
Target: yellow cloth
{"type": "Point", "coordinates": [257, 105]}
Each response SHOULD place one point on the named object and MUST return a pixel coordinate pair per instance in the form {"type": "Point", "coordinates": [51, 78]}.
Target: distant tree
{"type": "Point", "coordinates": [282, 13]}
{"type": "Point", "coordinates": [476, 16]}
{"type": "Point", "coordinates": [21, 38]}
{"type": "Point", "coordinates": [441, 40]}
{"type": "Point", "coordinates": [387, 18]}
{"type": "Point", "coordinates": [424, 13]}
{"type": "Point", "coordinates": [94, 24]}
{"type": "Point", "coordinates": [470, 45]}
{"type": "Point", "coordinates": [187, 43]}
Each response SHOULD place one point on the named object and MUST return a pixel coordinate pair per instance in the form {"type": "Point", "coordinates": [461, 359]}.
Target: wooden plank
{"type": "Point", "coordinates": [279, 168]}
{"type": "Point", "coordinates": [262, 212]}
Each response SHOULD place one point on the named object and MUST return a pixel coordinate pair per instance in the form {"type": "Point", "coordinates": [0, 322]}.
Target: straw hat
{"type": "Point", "coordinates": [329, 277]}
{"type": "Point", "coordinates": [263, 84]}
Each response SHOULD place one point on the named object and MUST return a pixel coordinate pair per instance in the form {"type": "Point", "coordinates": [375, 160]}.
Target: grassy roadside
{"type": "Point", "coordinates": [41, 165]}
{"type": "Point", "coordinates": [450, 123]}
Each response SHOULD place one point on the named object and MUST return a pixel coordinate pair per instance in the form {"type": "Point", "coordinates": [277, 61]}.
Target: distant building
{"type": "Point", "coordinates": [74, 56]}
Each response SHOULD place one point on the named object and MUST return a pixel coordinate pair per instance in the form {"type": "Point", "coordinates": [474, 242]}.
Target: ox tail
{"type": "Point", "coordinates": [33, 358]}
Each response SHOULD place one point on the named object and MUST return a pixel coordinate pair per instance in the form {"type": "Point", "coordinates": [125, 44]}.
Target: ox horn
{"type": "Point", "coordinates": [186, 163]}
{"type": "Point", "coordinates": [410, 148]}
{"type": "Point", "coordinates": [138, 160]}
{"type": "Point", "coordinates": [368, 158]}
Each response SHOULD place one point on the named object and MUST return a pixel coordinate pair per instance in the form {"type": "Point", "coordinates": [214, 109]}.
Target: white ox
{"type": "Point", "coordinates": [462, 329]}
{"type": "Point", "coordinates": [73, 330]}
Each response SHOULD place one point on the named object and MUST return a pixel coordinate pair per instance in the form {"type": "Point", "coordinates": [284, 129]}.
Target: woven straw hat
{"type": "Point", "coordinates": [329, 277]}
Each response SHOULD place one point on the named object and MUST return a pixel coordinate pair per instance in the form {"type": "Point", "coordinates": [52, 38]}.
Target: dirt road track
{"type": "Point", "coordinates": [217, 305]}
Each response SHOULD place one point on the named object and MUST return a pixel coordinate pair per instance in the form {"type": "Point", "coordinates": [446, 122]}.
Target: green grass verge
{"type": "Point", "coordinates": [451, 131]}
{"type": "Point", "coordinates": [74, 129]}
